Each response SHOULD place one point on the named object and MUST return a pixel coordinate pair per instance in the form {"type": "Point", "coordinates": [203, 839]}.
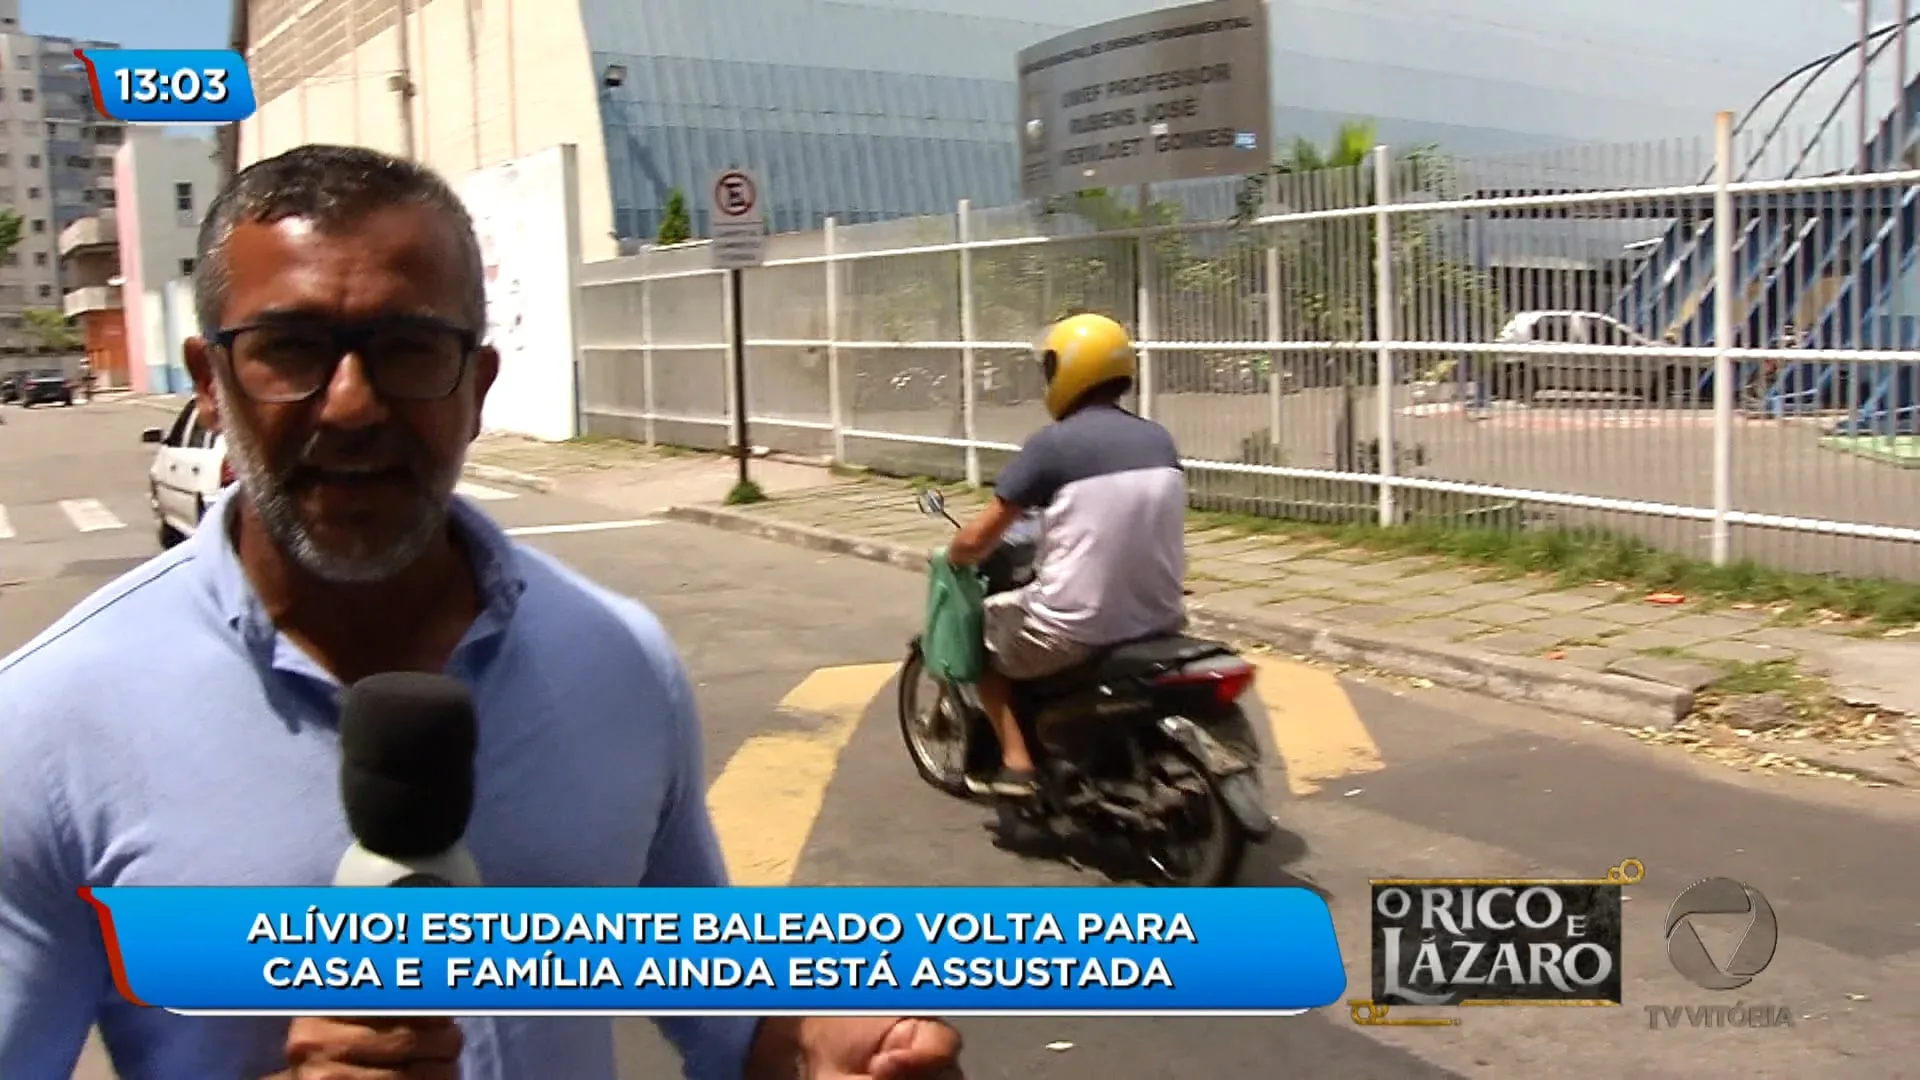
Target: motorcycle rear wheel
{"type": "Point", "coordinates": [1214, 858]}
{"type": "Point", "coordinates": [922, 724]}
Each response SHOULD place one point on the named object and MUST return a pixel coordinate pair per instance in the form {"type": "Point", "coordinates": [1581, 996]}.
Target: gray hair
{"type": "Point", "coordinates": [333, 187]}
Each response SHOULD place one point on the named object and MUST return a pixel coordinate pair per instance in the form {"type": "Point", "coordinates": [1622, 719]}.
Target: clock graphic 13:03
{"type": "Point", "coordinates": [170, 86]}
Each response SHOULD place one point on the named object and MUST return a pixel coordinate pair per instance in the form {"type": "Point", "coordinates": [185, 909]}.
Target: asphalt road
{"type": "Point", "coordinates": [792, 654]}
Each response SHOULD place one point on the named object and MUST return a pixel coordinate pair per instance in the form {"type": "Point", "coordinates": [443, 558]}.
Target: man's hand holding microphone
{"type": "Point", "coordinates": [362, 1048]}
{"type": "Point", "coordinates": [407, 746]}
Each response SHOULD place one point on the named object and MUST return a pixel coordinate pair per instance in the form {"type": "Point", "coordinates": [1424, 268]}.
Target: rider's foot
{"type": "Point", "coordinates": [1009, 782]}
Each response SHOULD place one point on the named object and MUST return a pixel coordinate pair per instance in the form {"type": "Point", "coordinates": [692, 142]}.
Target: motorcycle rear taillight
{"type": "Point", "coordinates": [1226, 682]}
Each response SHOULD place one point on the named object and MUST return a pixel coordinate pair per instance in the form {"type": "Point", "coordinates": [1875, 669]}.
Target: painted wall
{"type": "Point", "coordinates": [105, 336]}
{"type": "Point", "coordinates": [177, 318]}
{"type": "Point", "coordinates": [157, 237]}
{"type": "Point", "coordinates": [526, 217]}
{"type": "Point", "coordinates": [126, 214]}
{"type": "Point", "coordinates": [496, 79]}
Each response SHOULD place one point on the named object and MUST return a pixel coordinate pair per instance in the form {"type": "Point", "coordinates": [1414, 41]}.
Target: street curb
{"type": "Point", "coordinates": [494, 474]}
{"type": "Point", "coordinates": [157, 403]}
{"type": "Point", "coordinates": [1609, 698]}
{"type": "Point", "coordinates": [1873, 774]}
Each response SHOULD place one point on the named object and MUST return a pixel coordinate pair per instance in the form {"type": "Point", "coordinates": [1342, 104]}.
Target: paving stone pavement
{"type": "Point", "coordinates": [1598, 628]}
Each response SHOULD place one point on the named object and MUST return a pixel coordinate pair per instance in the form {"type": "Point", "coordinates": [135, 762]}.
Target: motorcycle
{"type": "Point", "coordinates": [1145, 743]}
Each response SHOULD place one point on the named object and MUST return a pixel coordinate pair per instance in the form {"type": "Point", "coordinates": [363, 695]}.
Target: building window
{"type": "Point", "coordinates": [12, 259]}
{"type": "Point", "coordinates": [33, 193]}
{"type": "Point", "coordinates": [39, 258]}
{"type": "Point", "coordinates": [33, 161]}
{"type": "Point", "coordinates": [183, 197]}
{"type": "Point", "coordinates": [5, 160]}
{"type": "Point", "coordinates": [26, 94]}
{"type": "Point", "coordinates": [186, 267]}
{"type": "Point", "coordinates": [46, 292]}
{"type": "Point", "coordinates": [53, 130]}
{"type": "Point", "coordinates": [39, 225]}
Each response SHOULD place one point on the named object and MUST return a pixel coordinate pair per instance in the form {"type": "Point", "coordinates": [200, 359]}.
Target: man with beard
{"type": "Point", "coordinates": [179, 727]}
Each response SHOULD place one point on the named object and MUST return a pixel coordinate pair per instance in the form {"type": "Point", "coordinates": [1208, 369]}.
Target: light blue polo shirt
{"type": "Point", "coordinates": [164, 733]}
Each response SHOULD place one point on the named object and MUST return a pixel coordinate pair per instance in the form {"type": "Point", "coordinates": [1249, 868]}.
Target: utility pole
{"type": "Point", "coordinates": [1902, 107]}
{"type": "Point", "coordinates": [1860, 103]}
{"type": "Point", "coordinates": [401, 83]}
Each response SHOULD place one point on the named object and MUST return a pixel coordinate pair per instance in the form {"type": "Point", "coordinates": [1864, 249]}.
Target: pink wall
{"type": "Point", "coordinates": [133, 291]}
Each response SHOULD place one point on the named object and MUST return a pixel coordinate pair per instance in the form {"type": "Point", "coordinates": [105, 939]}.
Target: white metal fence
{"type": "Point", "coordinates": [1771, 428]}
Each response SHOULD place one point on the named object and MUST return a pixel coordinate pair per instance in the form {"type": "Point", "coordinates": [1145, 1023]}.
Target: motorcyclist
{"type": "Point", "coordinates": [1112, 499]}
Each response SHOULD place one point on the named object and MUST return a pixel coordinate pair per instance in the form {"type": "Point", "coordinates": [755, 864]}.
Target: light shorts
{"type": "Point", "coordinates": [1021, 650]}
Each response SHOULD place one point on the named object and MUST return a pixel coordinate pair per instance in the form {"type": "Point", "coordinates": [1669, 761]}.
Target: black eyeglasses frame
{"type": "Point", "coordinates": [348, 338]}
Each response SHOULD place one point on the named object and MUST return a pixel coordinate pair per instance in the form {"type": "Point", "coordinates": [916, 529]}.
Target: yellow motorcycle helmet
{"type": "Point", "coordinates": [1080, 353]}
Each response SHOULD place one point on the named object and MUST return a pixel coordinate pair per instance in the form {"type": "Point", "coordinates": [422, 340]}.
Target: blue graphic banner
{"type": "Point", "coordinates": [717, 951]}
{"type": "Point", "coordinates": [169, 86]}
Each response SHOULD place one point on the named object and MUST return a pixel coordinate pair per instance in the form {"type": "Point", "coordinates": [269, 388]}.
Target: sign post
{"type": "Point", "coordinates": [739, 232]}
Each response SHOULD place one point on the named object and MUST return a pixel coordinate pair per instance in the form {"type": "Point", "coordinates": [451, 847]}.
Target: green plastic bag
{"type": "Point", "coordinates": [954, 643]}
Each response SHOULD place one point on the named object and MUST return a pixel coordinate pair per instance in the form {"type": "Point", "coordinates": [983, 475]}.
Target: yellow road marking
{"type": "Point", "coordinates": [1316, 730]}
{"type": "Point", "coordinates": [765, 801]}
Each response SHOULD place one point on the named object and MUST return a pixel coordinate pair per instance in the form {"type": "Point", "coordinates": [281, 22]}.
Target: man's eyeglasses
{"type": "Point", "coordinates": [410, 358]}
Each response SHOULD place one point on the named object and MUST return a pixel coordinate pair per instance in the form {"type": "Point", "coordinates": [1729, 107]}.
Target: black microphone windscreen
{"type": "Point", "coordinates": [407, 745]}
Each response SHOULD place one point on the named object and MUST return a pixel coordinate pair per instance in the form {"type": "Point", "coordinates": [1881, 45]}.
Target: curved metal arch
{"type": "Point", "coordinates": [1824, 64]}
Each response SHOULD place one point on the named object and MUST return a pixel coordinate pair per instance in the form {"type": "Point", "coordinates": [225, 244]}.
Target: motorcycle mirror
{"type": "Point", "coordinates": [932, 503]}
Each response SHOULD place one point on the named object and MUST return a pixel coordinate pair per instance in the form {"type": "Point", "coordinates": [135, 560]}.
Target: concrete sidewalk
{"type": "Point", "coordinates": [1596, 651]}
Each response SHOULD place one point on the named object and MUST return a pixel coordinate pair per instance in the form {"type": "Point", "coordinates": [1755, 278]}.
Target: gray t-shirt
{"type": "Point", "coordinates": [1113, 500]}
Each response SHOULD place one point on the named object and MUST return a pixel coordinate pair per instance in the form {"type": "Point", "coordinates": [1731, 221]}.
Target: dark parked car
{"type": "Point", "coordinates": [46, 388]}
{"type": "Point", "coordinates": [10, 387]}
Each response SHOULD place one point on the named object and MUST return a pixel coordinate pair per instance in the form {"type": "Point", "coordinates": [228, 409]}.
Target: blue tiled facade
{"type": "Point", "coordinates": [874, 109]}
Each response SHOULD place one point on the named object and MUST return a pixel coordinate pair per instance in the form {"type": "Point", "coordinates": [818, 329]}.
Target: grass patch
{"type": "Point", "coordinates": [1569, 556]}
{"type": "Point", "coordinates": [595, 450]}
{"type": "Point", "coordinates": [1579, 556]}
{"type": "Point", "coordinates": [1772, 677]}
{"type": "Point", "coordinates": [745, 493]}
{"type": "Point", "coordinates": [1807, 699]}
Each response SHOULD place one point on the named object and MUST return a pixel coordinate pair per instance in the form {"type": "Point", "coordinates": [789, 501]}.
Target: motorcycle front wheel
{"type": "Point", "coordinates": [933, 727]}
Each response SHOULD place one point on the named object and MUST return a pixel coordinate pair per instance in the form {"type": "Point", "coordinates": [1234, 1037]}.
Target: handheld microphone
{"type": "Point", "coordinates": [407, 744]}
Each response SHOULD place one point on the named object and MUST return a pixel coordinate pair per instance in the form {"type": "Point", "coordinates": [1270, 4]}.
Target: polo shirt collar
{"type": "Point", "coordinates": [496, 566]}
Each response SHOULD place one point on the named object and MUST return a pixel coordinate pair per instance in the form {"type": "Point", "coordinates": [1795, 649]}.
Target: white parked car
{"type": "Point", "coordinates": [188, 472]}
{"type": "Point", "coordinates": [1519, 376]}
